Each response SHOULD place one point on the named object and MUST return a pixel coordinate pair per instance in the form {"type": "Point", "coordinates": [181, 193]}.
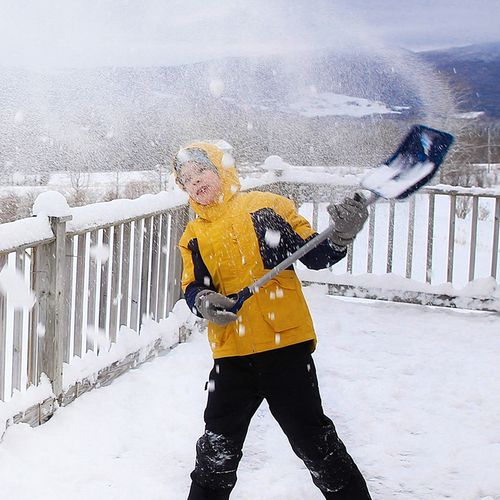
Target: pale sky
{"type": "Point", "coordinates": [68, 33]}
{"type": "Point", "coordinates": [429, 24]}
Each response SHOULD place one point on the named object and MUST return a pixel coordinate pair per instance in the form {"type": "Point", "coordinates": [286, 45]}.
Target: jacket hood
{"type": "Point", "coordinates": [228, 175]}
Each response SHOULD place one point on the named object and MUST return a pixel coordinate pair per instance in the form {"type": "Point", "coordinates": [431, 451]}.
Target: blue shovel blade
{"type": "Point", "coordinates": [413, 165]}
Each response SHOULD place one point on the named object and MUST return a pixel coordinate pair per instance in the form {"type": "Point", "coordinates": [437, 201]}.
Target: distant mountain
{"type": "Point", "coordinates": [474, 71]}
{"type": "Point", "coordinates": [313, 108]}
{"type": "Point", "coordinates": [279, 84]}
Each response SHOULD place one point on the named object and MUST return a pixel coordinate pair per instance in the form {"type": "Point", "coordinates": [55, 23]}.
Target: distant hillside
{"type": "Point", "coordinates": [314, 108]}
{"type": "Point", "coordinates": [473, 70]}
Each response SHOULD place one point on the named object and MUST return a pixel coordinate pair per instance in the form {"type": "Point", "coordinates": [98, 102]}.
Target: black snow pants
{"type": "Point", "coordinates": [286, 378]}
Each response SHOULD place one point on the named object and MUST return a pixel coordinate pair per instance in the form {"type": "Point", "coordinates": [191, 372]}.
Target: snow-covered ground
{"type": "Point", "coordinates": [413, 391]}
{"type": "Point", "coordinates": [316, 104]}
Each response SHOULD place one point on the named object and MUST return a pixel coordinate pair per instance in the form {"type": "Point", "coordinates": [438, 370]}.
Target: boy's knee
{"type": "Point", "coordinates": [217, 459]}
{"type": "Point", "coordinates": [326, 457]}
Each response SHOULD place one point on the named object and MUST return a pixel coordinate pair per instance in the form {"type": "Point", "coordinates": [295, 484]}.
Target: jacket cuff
{"type": "Point", "coordinates": [190, 294]}
{"type": "Point", "coordinates": [338, 248]}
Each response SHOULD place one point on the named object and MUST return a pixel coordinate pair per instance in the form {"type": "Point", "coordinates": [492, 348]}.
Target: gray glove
{"type": "Point", "coordinates": [349, 218]}
{"type": "Point", "coordinates": [214, 307]}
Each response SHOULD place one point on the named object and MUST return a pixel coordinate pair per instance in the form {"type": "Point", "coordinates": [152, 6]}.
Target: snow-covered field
{"type": "Point", "coordinates": [413, 391]}
{"type": "Point", "coordinates": [330, 104]}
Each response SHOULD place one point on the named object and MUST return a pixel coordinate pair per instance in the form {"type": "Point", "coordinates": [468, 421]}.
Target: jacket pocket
{"type": "Point", "coordinates": [217, 335]}
{"type": "Point", "coordinates": [282, 303]}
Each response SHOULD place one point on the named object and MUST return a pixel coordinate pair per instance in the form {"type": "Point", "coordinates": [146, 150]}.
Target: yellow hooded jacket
{"type": "Point", "coordinates": [234, 242]}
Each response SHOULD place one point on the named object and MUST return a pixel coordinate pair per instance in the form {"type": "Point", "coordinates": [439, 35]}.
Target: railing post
{"type": "Point", "coordinates": [180, 218]}
{"type": "Point", "coordinates": [81, 256]}
{"type": "Point", "coordinates": [17, 379]}
{"type": "Point", "coordinates": [92, 324]}
{"type": "Point", "coordinates": [135, 292]}
{"type": "Point", "coordinates": [473, 238]}
{"type": "Point", "coordinates": [125, 269]}
{"type": "Point", "coordinates": [371, 240]}
{"type": "Point", "coordinates": [430, 239]}
{"type": "Point", "coordinates": [496, 232]}
{"type": "Point", "coordinates": [116, 272]}
{"type": "Point", "coordinates": [3, 335]}
{"type": "Point", "coordinates": [51, 296]}
{"type": "Point", "coordinates": [390, 237]}
{"type": "Point", "coordinates": [451, 237]}
{"type": "Point", "coordinates": [411, 236]}
{"type": "Point", "coordinates": [315, 216]}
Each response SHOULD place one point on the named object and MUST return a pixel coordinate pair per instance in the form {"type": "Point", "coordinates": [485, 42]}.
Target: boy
{"type": "Point", "coordinates": [263, 351]}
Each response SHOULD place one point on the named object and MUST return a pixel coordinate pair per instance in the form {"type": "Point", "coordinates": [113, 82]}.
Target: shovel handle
{"type": "Point", "coordinates": [239, 298]}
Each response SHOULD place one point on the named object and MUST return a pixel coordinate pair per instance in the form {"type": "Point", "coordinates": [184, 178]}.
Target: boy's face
{"type": "Point", "coordinates": [202, 184]}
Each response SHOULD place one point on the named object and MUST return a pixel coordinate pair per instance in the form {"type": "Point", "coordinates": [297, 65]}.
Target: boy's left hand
{"type": "Point", "coordinates": [215, 307]}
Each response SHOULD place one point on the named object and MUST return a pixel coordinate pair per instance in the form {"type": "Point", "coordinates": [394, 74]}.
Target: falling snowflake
{"type": "Point", "coordinates": [272, 238]}
{"type": "Point", "coordinates": [227, 160]}
{"type": "Point", "coordinates": [16, 288]}
{"type": "Point", "coordinates": [100, 253]}
{"type": "Point", "coordinates": [40, 330]}
{"type": "Point", "coordinates": [216, 87]}
{"type": "Point", "coordinates": [117, 299]}
{"type": "Point", "coordinates": [19, 117]}
{"type": "Point", "coordinates": [98, 337]}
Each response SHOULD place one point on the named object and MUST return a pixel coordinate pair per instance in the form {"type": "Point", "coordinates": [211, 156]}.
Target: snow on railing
{"type": "Point", "coordinates": [100, 273]}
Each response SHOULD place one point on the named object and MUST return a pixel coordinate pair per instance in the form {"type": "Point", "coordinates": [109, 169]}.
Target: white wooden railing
{"type": "Point", "coordinates": [89, 283]}
{"type": "Point", "coordinates": [441, 240]}
{"type": "Point", "coordinates": [92, 280]}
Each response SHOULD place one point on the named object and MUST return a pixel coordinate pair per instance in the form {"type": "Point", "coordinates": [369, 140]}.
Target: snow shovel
{"type": "Point", "coordinates": [413, 165]}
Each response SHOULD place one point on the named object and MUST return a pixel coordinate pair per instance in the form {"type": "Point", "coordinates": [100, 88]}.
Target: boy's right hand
{"type": "Point", "coordinates": [349, 218]}
{"type": "Point", "coordinates": [214, 307]}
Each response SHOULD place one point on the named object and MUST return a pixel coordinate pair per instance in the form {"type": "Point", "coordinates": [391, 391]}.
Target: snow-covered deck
{"type": "Point", "coordinates": [413, 391]}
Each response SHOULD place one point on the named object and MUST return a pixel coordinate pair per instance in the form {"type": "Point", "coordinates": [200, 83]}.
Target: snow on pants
{"type": "Point", "coordinates": [286, 378]}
